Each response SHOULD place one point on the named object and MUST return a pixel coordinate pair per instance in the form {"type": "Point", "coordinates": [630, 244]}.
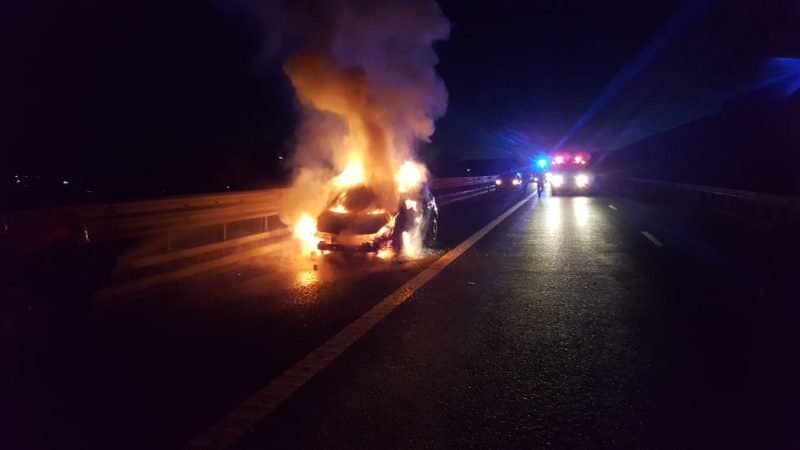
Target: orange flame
{"type": "Point", "coordinates": [385, 253]}
{"type": "Point", "coordinates": [352, 175]}
{"type": "Point", "coordinates": [305, 231]}
{"type": "Point", "coordinates": [338, 209]}
{"type": "Point", "coordinates": [412, 244]}
{"type": "Point", "coordinates": [410, 175]}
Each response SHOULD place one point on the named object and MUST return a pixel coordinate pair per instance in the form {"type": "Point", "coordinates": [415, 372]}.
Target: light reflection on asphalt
{"type": "Point", "coordinates": [301, 279]}
{"type": "Point", "coordinates": [552, 213]}
{"type": "Point", "coordinates": [580, 208]}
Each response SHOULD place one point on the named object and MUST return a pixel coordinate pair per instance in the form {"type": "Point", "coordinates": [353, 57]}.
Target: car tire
{"type": "Point", "coordinates": [432, 233]}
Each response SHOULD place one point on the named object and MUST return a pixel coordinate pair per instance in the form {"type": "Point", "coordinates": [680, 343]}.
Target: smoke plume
{"type": "Point", "coordinates": [364, 75]}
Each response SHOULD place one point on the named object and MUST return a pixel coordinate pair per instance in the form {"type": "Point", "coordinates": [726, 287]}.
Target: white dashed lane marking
{"type": "Point", "coordinates": [652, 239]}
{"type": "Point", "coordinates": [612, 207]}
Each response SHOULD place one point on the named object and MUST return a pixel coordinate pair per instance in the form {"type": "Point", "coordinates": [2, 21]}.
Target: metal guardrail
{"type": "Point", "coordinates": [170, 220]}
{"type": "Point", "coordinates": [792, 203]}
{"type": "Point", "coordinates": [464, 194]}
{"type": "Point", "coordinates": [438, 184]}
{"type": "Point", "coordinates": [136, 219]}
{"type": "Point", "coordinates": [766, 211]}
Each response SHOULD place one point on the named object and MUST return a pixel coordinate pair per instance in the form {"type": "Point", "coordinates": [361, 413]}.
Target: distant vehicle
{"type": "Point", "coordinates": [510, 181]}
{"type": "Point", "coordinates": [570, 174]}
{"type": "Point", "coordinates": [574, 180]}
{"type": "Point", "coordinates": [355, 221]}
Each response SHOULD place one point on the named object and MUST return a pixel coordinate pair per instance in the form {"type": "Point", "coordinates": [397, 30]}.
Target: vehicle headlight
{"type": "Point", "coordinates": [557, 180]}
{"type": "Point", "coordinates": [581, 180]}
{"type": "Point", "coordinates": [498, 182]}
{"type": "Point", "coordinates": [516, 181]}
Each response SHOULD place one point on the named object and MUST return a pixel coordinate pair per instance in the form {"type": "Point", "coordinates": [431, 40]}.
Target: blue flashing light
{"type": "Point", "coordinates": [542, 163]}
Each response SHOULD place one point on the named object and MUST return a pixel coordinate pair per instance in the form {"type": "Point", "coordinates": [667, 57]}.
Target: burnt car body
{"type": "Point", "coordinates": [355, 221]}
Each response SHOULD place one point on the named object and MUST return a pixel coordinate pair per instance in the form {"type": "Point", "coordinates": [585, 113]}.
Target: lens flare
{"type": "Point", "coordinates": [305, 231]}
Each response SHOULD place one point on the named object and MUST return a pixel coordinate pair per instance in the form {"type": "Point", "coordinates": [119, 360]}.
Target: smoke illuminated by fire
{"type": "Point", "coordinates": [363, 74]}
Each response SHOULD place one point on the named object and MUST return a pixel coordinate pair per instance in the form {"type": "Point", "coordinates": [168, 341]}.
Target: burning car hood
{"type": "Point", "coordinates": [351, 223]}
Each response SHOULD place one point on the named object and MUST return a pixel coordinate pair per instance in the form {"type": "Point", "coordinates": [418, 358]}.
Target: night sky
{"type": "Point", "coordinates": [520, 79]}
{"type": "Point", "coordinates": [183, 91]}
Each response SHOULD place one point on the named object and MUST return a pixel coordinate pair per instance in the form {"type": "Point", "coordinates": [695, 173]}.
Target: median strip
{"type": "Point", "coordinates": [228, 431]}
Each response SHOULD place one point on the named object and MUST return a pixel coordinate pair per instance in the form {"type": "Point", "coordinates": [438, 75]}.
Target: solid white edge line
{"type": "Point", "coordinates": [652, 239]}
{"type": "Point", "coordinates": [231, 428]}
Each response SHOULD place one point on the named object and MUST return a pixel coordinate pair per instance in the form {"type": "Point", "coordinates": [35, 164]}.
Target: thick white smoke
{"type": "Point", "coordinates": [364, 75]}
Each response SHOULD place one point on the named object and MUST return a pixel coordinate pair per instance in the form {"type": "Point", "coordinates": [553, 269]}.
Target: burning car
{"type": "Point", "coordinates": [355, 221]}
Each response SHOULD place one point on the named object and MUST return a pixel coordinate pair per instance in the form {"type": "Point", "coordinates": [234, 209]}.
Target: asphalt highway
{"type": "Point", "coordinates": [576, 322]}
{"type": "Point", "coordinates": [566, 327]}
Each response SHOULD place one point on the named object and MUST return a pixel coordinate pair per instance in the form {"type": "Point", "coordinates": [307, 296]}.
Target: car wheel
{"type": "Point", "coordinates": [433, 231]}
